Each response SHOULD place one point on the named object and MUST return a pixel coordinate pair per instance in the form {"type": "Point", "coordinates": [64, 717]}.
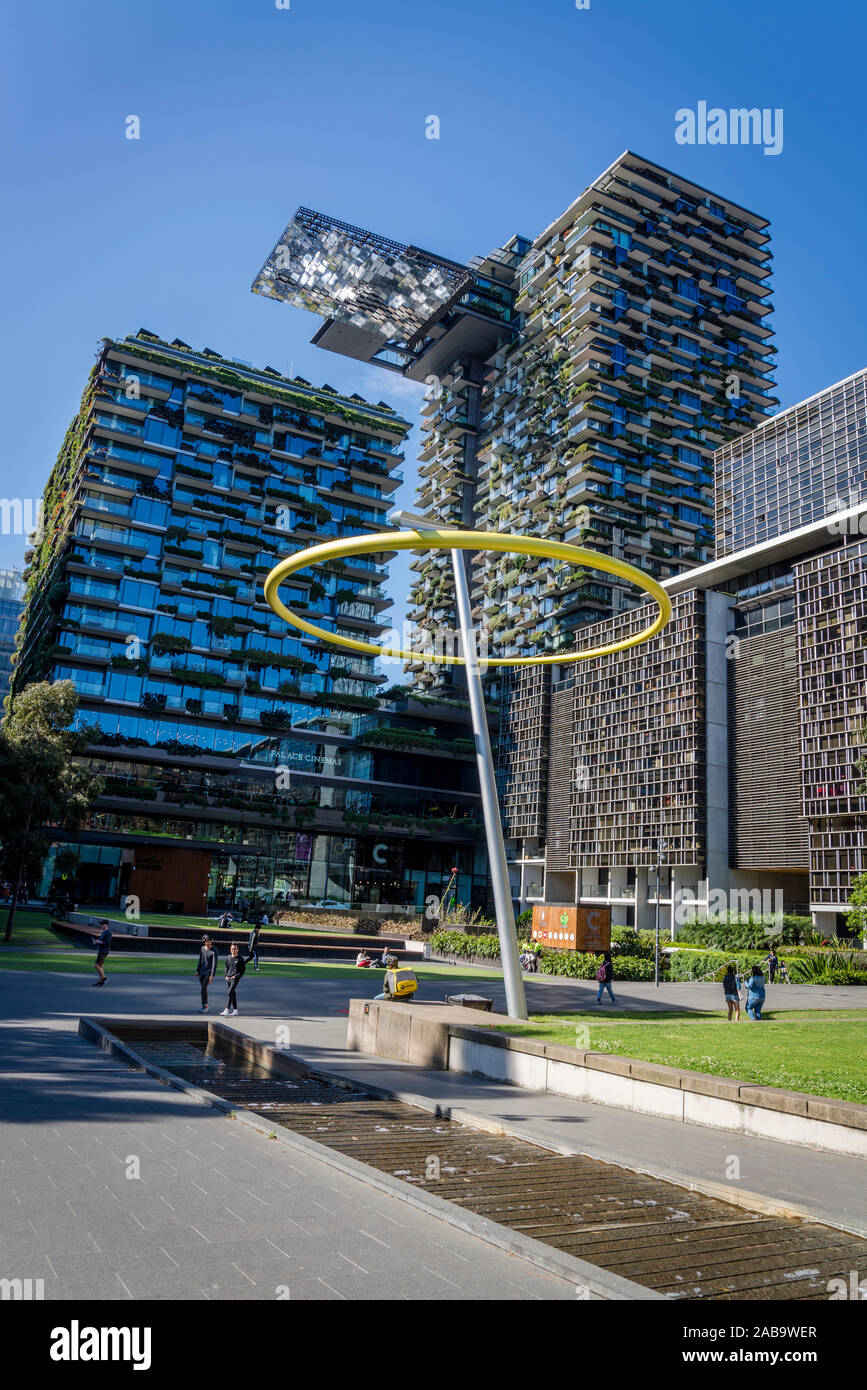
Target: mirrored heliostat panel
{"type": "Point", "coordinates": [342, 272]}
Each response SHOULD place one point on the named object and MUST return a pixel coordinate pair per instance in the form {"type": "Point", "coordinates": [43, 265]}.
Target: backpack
{"type": "Point", "coordinates": [601, 974]}
{"type": "Point", "coordinates": [401, 981]}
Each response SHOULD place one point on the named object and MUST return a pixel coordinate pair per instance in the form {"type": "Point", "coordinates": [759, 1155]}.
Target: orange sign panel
{"type": "Point", "coordinates": [565, 928]}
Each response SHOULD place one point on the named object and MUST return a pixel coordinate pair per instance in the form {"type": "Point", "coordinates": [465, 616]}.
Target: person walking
{"type": "Point", "coordinates": [103, 946]}
{"type": "Point", "coordinates": [772, 961]}
{"type": "Point", "coordinates": [235, 967]}
{"type": "Point", "coordinates": [731, 992]}
{"type": "Point", "coordinates": [206, 969]}
{"type": "Point", "coordinates": [604, 976]}
{"type": "Point", "coordinates": [253, 941]}
{"type": "Point", "coordinates": [755, 993]}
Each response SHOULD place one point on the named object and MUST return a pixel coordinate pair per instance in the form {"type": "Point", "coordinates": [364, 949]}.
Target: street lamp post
{"type": "Point", "coordinates": [661, 847]}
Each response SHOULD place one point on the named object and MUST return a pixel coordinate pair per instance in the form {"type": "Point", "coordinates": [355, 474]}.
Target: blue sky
{"type": "Point", "coordinates": [247, 110]}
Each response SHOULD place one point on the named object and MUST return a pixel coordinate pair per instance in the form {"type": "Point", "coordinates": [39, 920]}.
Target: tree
{"type": "Point", "coordinates": [45, 789]}
{"type": "Point", "coordinates": [856, 917]}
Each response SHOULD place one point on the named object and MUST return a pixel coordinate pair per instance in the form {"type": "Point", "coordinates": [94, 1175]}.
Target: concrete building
{"type": "Point", "coordinates": [578, 383]}
{"type": "Point", "coordinates": [238, 756]}
{"type": "Point", "coordinates": [735, 737]}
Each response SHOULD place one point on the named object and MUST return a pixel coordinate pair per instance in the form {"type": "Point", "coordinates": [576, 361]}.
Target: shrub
{"type": "Point", "coordinates": [626, 941]}
{"type": "Point", "coordinates": [580, 965]}
{"type": "Point", "coordinates": [275, 719]}
{"type": "Point", "coordinates": [576, 965]}
{"type": "Point", "coordinates": [168, 642]}
{"type": "Point", "coordinates": [830, 968]}
{"type": "Point", "coordinates": [468, 919]}
{"type": "Point", "coordinates": [699, 965]}
{"type": "Point", "coordinates": [733, 933]}
{"type": "Point", "coordinates": [459, 943]}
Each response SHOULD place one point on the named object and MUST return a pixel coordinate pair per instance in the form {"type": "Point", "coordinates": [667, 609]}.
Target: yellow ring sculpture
{"type": "Point", "coordinates": [465, 540]}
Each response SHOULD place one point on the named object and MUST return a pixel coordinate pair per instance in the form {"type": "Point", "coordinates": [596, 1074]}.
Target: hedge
{"type": "Point", "coordinates": [753, 933]}
{"type": "Point", "coordinates": [698, 965]}
{"type": "Point", "coordinates": [576, 965]}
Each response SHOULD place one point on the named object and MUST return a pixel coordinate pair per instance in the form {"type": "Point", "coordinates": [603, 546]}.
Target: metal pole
{"type": "Point", "coordinates": [516, 1003]}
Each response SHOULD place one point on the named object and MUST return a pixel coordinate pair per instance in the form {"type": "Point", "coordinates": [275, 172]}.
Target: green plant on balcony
{"type": "Point", "coordinates": [163, 642]}
{"type": "Point", "coordinates": [257, 657]}
{"type": "Point", "coordinates": [333, 700]}
{"type": "Point", "coordinates": [188, 552]}
{"type": "Point", "coordinates": [275, 719]}
{"type": "Point", "coordinates": [188, 676]}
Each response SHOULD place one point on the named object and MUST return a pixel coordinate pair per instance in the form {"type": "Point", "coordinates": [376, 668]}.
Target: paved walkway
{"type": "Point", "coordinates": [216, 1211]}
{"type": "Point", "coordinates": [309, 1017]}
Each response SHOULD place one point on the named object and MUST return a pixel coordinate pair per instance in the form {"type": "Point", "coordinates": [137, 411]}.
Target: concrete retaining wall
{"type": "Point", "coordinates": [438, 1036]}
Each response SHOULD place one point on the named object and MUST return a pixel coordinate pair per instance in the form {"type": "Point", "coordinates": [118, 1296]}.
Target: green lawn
{"type": "Point", "coordinates": [29, 928]}
{"type": "Point", "coordinates": [80, 962]}
{"type": "Point", "coordinates": [821, 1052]}
{"type": "Point", "coordinates": [32, 928]}
{"type": "Point", "coordinates": [209, 924]}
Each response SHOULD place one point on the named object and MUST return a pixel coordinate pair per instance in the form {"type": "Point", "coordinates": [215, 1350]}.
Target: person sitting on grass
{"type": "Point", "coordinates": [755, 993]}
{"type": "Point", "coordinates": [730, 991]}
{"type": "Point", "coordinates": [363, 961]}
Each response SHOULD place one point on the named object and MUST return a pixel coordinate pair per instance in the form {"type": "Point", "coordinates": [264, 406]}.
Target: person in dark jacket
{"type": "Point", "coordinates": [103, 946]}
{"type": "Point", "coordinates": [604, 977]}
{"type": "Point", "coordinates": [731, 993]}
{"type": "Point", "coordinates": [772, 961]}
{"type": "Point", "coordinates": [253, 941]}
{"type": "Point", "coordinates": [206, 969]}
{"type": "Point", "coordinates": [235, 968]}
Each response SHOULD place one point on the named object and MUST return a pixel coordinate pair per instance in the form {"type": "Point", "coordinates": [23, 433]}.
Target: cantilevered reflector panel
{"type": "Point", "coordinates": [342, 272]}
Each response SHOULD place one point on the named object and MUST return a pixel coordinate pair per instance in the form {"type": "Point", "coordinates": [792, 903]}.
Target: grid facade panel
{"type": "Point", "coordinates": [831, 591]}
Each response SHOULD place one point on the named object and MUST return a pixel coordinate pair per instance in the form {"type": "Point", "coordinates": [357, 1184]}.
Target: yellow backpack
{"type": "Point", "coordinates": [400, 982]}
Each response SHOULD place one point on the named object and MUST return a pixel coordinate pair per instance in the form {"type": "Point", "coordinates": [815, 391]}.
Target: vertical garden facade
{"type": "Point", "coordinates": [237, 755]}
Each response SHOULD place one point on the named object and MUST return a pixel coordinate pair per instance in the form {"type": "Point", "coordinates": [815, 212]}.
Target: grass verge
{"type": "Point", "coordinates": [80, 962]}
{"type": "Point", "coordinates": [821, 1052]}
